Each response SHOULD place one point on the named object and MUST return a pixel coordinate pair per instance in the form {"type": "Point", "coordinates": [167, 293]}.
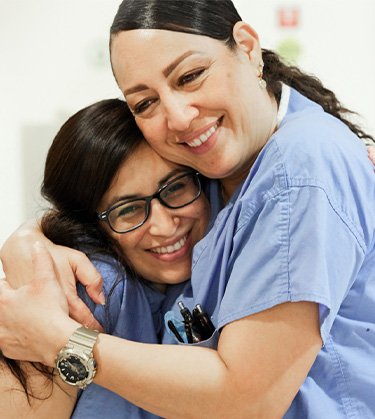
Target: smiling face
{"type": "Point", "coordinates": [161, 249]}
{"type": "Point", "coordinates": [197, 102]}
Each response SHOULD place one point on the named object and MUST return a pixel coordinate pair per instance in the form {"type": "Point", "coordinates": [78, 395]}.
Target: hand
{"type": "Point", "coordinates": [34, 319]}
{"type": "Point", "coordinates": [371, 153]}
{"type": "Point", "coordinates": [71, 265]}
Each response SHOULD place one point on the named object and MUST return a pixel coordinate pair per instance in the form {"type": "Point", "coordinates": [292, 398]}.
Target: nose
{"type": "Point", "coordinates": [179, 112]}
{"type": "Point", "coordinates": [161, 220]}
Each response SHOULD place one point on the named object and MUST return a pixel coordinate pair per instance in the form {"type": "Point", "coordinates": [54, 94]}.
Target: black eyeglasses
{"type": "Point", "coordinates": [128, 215]}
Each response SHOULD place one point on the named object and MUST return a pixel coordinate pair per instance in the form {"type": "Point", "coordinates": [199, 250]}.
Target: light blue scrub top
{"type": "Point", "coordinates": [132, 311]}
{"type": "Point", "coordinates": [302, 228]}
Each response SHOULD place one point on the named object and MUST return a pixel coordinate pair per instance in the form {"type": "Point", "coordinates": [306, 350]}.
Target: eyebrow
{"type": "Point", "coordinates": [168, 177]}
{"type": "Point", "coordinates": [123, 198]}
{"type": "Point", "coordinates": [166, 72]}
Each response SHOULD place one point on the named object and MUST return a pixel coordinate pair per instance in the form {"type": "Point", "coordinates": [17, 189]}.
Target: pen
{"type": "Point", "coordinates": [204, 322]}
{"type": "Point", "coordinates": [192, 333]}
{"type": "Point", "coordinates": [174, 330]}
{"type": "Point", "coordinates": [185, 312]}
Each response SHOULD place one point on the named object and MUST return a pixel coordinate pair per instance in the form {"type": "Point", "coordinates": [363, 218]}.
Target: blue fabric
{"type": "Point", "coordinates": [302, 228]}
{"type": "Point", "coordinates": [132, 311]}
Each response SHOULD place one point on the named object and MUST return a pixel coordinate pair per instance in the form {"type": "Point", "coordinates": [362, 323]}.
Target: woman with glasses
{"type": "Point", "coordinates": [137, 216]}
{"type": "Point", "coordinates": [286, 270]}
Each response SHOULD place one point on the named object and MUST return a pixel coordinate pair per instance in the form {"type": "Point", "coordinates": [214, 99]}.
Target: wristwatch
{"type": "Point", "coordinates": [75, 362]}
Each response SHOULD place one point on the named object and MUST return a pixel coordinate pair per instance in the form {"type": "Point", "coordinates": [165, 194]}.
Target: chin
{"type": "Point", "coordinates": [174, 279]}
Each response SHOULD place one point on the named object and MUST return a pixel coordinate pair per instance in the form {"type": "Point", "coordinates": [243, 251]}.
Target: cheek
{"type": "Point", "coordinates": [129, 243]}
{"type": "Point", "coordinates": [201, 213]}
{"type": "Point", "coordinates": [153, 131]}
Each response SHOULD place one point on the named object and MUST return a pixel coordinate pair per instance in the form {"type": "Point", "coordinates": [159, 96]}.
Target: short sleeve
{"type": "Point", "coordinates": [297, 247]}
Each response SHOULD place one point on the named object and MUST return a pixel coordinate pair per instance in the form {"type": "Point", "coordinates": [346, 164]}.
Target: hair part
{"type": "Point", "coordinates": [216, 20]}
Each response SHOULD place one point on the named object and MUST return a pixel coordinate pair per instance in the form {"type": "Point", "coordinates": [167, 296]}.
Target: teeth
{"type": "Point", "coordinates": [203, 137]}
{"type": "Point", "coordinates": [171, 248]}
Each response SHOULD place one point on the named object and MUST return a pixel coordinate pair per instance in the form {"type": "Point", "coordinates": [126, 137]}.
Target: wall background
{"type": "Point", "coordinates": [54, 60]}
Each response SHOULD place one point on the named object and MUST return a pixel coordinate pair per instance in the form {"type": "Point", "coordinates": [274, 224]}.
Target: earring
{"type": "Point", "coordinates": [262, 82]}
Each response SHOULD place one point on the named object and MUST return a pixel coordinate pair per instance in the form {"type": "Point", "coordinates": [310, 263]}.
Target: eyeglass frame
{"type": "Point", "coordinates": [104, 215]}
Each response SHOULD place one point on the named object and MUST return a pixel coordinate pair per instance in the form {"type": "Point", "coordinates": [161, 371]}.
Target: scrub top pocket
{"type": "Point", "coordinates": [211, 342]}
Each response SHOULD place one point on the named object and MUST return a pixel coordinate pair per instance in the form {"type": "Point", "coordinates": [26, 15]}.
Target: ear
{"type": "Point", "coordinates": [247, 40]}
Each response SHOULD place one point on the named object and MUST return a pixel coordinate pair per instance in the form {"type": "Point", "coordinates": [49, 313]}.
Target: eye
{"type": "Point", "coordinates": [143, 105]}
{"type": "Point", "coordinates": [129, 211]}
{"type": "Point", "coordinates": [174, 188]}
{"type": "Point", "coordinates": [190, 77]}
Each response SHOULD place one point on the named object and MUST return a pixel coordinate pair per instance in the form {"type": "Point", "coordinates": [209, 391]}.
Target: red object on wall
{"type": "Point", "coordinates": [289, 17]}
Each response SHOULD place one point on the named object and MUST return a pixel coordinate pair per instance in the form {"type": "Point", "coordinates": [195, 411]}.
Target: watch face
{"type": "Point", "coordinates": [72, 369]}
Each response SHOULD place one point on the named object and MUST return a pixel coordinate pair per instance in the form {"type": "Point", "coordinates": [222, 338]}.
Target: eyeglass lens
{"type": "Point", "coordinates": [176, 194]}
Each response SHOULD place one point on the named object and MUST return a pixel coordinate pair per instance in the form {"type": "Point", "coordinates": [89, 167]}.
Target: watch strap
{"type": "Point", "coordinates": [85, 338]}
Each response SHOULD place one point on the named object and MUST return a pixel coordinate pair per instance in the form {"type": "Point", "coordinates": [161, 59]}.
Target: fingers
{"type": "Point", "coordinates": [88, 276]}
{"type": "Point", "coordinates": [74, 265]}
{"type": "Point", "coordinates": [78, 309]}
{"type": "Point", "coordinates": [4, 286]}
{"type": "Point", "coordinates": [81, 313]}
{"type": "Point", "coordinates": [16, 253]}
{"type": "Point", "coordinates": [43, 267]}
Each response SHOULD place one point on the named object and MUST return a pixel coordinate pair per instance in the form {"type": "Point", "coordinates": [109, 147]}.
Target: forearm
{"type": "Point", "coordinates": [174, 381]}
{"type": "Point", "coordinates": [261, 362]}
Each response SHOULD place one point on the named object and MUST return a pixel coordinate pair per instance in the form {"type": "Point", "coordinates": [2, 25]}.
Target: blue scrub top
{"type": "Point", "coordinates": [132, 311]}
{"type": "Point", "coordinates": [301, 227]}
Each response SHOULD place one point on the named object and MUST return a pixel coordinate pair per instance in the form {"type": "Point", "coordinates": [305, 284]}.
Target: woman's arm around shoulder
{"type": "Point", "coordinates": [260, 364]}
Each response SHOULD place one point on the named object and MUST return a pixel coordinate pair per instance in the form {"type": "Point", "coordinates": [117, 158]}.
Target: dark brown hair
{"type": "Point", "coordinates": [81, 163]}
{"type": "Point", "coordinates": [216, 19]}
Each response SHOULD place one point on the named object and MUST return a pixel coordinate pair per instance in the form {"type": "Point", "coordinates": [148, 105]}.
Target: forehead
{"type": "Point", "coordinates": [145, 160]}
{"type": "Point", "coordinates": [140, 173]}
{"type": "Point", "coordinates": [149, 50]}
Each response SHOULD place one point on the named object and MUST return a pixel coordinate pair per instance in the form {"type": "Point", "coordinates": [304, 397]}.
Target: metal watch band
{"type": "Point", "coordinates": [85, 338]}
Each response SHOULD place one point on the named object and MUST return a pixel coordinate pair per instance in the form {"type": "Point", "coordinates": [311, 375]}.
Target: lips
{"type": "Point", "coordinates": [195, 140]}
{"type": "Point", "coordinates": [172, 248]}
{"type": "Point", "coordinates": [198, 141]}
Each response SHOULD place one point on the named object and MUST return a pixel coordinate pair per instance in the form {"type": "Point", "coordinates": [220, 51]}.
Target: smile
{"type": "Point", "coordinates": [196, 142]}
{"type": "Point", "coordinates": [171, 248]}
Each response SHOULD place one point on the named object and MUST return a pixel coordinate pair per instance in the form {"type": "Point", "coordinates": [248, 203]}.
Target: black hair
{"type": "Point", "coordinates": [216, 19]}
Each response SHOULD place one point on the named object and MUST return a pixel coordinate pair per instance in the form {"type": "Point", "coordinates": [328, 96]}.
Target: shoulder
{"type": "Point", "coordinates": [309, 136]}
{"type": "Point", "coordinates": [311, 147]}
{"type": "Point", "coordinates": [315, 151]}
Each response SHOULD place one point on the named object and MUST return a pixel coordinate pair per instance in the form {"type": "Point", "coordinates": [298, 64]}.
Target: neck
{"type": "Point", "coordinates": [231, 183]}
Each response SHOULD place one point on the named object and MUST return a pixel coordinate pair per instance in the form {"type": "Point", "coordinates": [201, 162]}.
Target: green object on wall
{"type": "Point", "coordinates": [290, 49]}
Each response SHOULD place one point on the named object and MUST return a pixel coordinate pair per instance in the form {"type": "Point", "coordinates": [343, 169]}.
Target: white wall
{"type": "Point", "coordinates": [337, 37]}
{"type": "Point", "coordinates": [54, 60]}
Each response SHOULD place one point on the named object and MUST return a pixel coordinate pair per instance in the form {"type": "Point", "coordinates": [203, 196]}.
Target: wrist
{"type": "Point", "coordinates": [58, 339]}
